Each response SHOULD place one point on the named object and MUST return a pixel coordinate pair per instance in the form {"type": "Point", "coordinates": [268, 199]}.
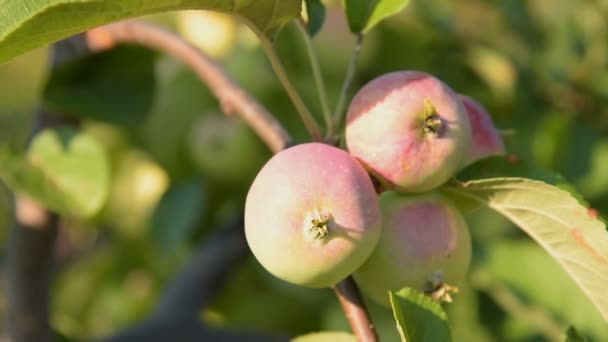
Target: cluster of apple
{"type": "Point", "coordinates": [313, 215]}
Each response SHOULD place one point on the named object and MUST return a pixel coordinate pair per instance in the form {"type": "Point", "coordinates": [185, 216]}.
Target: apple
{"type": "Point", "coordinates": [409, 129]}
{"type": "Point", "coordinates": [486, 140]}
{"type": "Point", "coordinates": [425, 244]}
{"type": "Point", "coordinates": [225, 150]}
{"type": "Point", "coordinates": [312, 216]}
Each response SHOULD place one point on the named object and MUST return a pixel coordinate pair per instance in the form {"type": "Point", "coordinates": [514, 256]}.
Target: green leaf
{"type": "Point", "coordinates": [363, 15]}
{"type": "Point", "coordinates": [326, 336]}
{"type": "Point", "coordinates": [65, 169]}
{"type": "Point", "coordinates": [567, 230]}
{"type": "Point", "coordinates": [495, 167]}
{"type": "Point", "coordinates": [178, 212]}
{"type": "Point", "coordinates": [572, 335]}
{"type": "Point", "coordinates": [25, 25]}
{"type": "Point", "coordinates": [528, 272]}
{"type": "Point", "coordinates": [115, 86]}
{"type": "Point", "coordinates": [419, 317]}
{"type": "Point", "coordinates": [510, 166]}
{"type": "Point", "coordinates": [316, 16]}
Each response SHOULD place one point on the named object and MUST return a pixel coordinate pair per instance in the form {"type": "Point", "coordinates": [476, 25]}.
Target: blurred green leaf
{"type": "Point", "coordinates": [419, 317]}
{"type": "Point", "coordinates": [178, 212]}
{"type": "Point", "coordinates": [531, 274]}
{"type": "Point", "coordinates": [65, 169]}
{"type": "Point", "coordinates": [363, 15]}
{"type": "Point", "coordinates": [115, 86]}
{"type": "Point", "coordinates": [557, 221]}
{"type": "Point", "coordinates": [464, 317]}
{"type": "Point", "coordinates": [326, 336]}
{"type": "Point", "coordinates": [572, 335]}
{"type": "Point", "coordinates": [316, 16]}
{"type": "Point", "coordinates": [27, 25]}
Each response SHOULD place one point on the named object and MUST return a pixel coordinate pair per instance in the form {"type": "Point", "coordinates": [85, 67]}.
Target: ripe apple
{"type": "Point", "coordinates": [311, 215]}
{"type": "Point", "coordinates": [409, 129]}
{"type": "Point", "coordinates": [486, 140]}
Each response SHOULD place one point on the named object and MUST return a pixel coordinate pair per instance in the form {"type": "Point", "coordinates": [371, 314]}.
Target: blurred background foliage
{"type": "Point", "coordinates": [183, 168]}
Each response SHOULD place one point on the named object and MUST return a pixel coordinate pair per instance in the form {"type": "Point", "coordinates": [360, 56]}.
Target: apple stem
{"type": "Point", "coordinates": [348, 80]}
{"type": "Point", "coordinates": [316, 72]}
{"type": "Point", "coordinates": [432, 121]}
{"type": "Point", "coordinates": [307, 118]}
{"type": "Point", "coordinates": [355, 310]}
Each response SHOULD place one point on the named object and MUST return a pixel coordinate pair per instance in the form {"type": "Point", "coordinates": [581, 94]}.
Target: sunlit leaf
{"type": "Point", "coordinates": [363, 15]}
{"type": "Point", "coordinates": [25, 25]}
{"type": "Point", "coordinates": [65, 169]}
{"type": "Point", "coordinates": [571, 233]}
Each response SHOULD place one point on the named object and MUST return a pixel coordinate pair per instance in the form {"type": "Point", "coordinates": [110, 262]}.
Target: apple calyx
{"type": "Point", "coordinates": [440, 291]}
{"type": "Point", "coordinates": [317, 224]}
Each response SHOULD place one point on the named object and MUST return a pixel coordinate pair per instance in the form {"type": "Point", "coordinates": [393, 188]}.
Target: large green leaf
{"type": "Point", "coordinates": [567, 230]}
{"type": "Point", "coordinates": [498, 167]}
{"type": "Point", "coordinates": [25, 25]}
{"type": "Point", "coordinates": [419, 317]}
{"type": "Point", "coordinates": [364, 14]}
{"type": "Point", "coordinates": [115, 86]}
{"type": "Point", "coordinates": [66, 170]}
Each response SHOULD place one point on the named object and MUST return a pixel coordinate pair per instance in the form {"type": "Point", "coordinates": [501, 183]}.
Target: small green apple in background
{"type": "Point", "coordinates": [486, 140]}
{"type": "Point", "coordinates": [312, 215]}
{"type": "Point", "coordinates": [425, 244]}
{"type": "Point", "coordinates": [138, 185]}
{"type": "Point", "coordinates": [409, 130]}
{"type": "Point", "coordinates": [225, 150]}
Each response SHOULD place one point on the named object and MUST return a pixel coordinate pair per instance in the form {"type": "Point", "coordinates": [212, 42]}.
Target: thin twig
{"type": "Point", "coordinates": [307, 118]}
{"type": "Point", "coordinates": [232, 97]}
{"type": "Point", "coordinates": [32, 238]}
{"type": "Point", "coordinates": [348, 80]}
{"type": "Point", "coordinates": [316, 72]}
{"type": "Point", "coordinates": [355, 310]}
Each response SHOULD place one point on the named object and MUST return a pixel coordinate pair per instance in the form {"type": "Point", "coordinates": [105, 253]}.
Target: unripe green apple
{"type": "Point", "coordinates": [225, 150]}
{"type": "Point", "coordinates": [486, 140]}
{"type": "Point", "coordinates": [425, 244]}
{"type": "Point", "coordinates": [409, 130]}
{"type": "Point", "coordinates": [312, 216]}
